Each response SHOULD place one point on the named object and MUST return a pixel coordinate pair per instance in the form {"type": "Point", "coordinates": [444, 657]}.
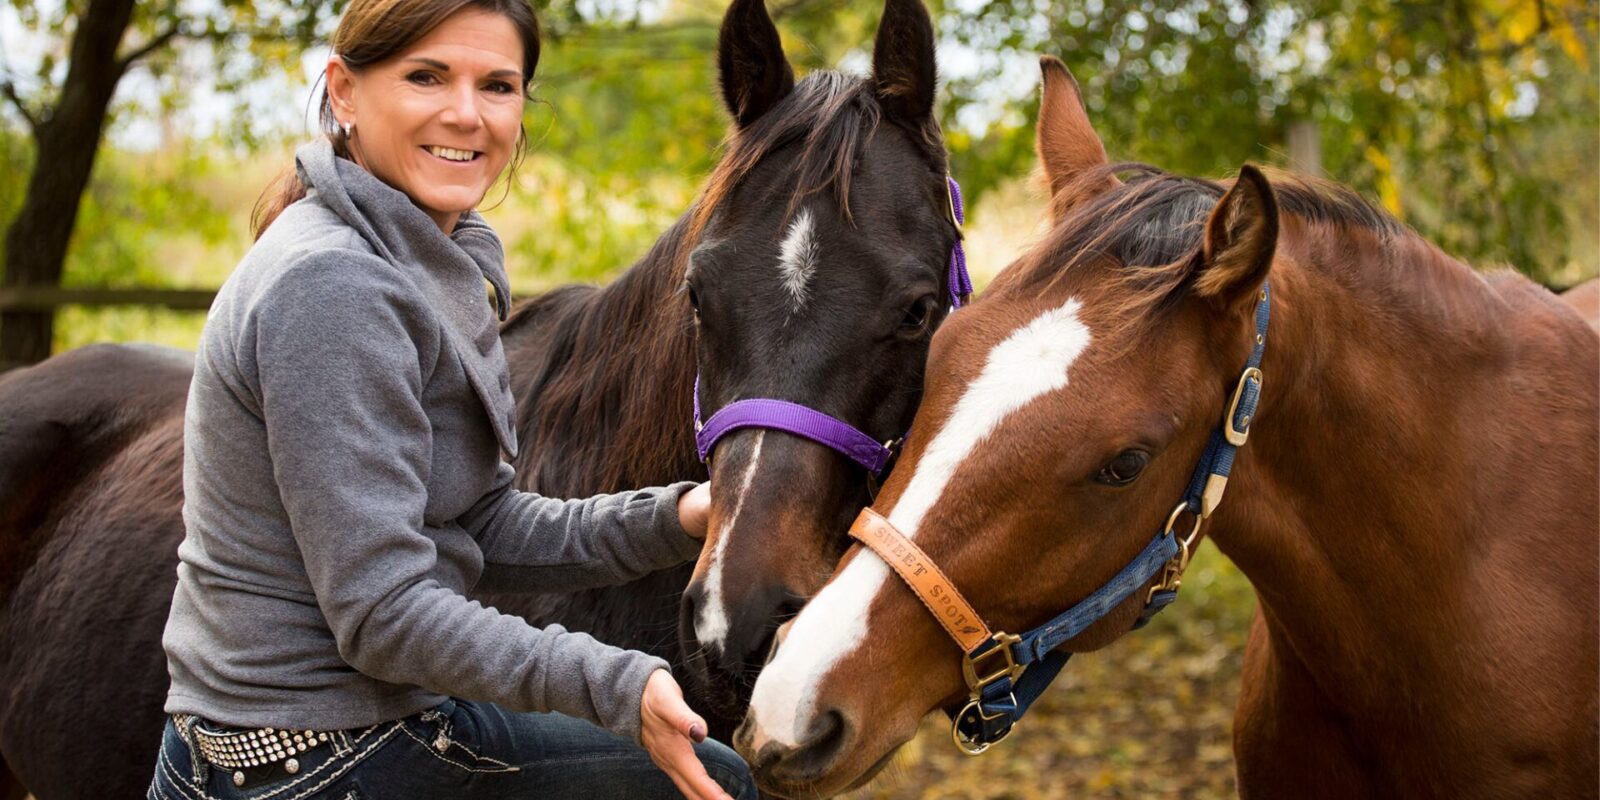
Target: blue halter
{"type": "Point", "coordinates": [1007, 673]}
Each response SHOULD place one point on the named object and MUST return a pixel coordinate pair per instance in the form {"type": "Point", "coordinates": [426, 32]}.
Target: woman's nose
{"type": "Point", "coordinates": [462, 109]}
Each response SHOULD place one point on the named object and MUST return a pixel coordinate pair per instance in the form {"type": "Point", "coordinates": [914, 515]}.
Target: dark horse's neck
{"type": "Point", "coordinates": [603, 378]}
{"type": "Point", "coordinates": [1417, 492]}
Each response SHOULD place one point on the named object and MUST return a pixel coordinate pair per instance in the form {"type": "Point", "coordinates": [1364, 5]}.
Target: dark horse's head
{"type": "Point", "coordinates": [818, 275]}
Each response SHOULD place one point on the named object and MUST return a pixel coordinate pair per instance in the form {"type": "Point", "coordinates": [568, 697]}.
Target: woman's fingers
{"type": "Point", "coordinates": [694, 510]}
{"type": "Point", "coordinates": [669, 726]}
{"type": "Point", "coordinates": [686, 771]}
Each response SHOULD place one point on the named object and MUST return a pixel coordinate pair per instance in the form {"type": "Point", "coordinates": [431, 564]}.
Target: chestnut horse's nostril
{"type": "Point", "coordinates": [814, 757]}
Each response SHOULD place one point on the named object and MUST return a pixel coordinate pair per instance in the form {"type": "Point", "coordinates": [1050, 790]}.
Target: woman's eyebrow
{"type": "Point", "coordinates": [443, 67]}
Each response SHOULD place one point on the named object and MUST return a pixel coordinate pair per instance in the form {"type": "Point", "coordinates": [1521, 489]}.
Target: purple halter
{"type": "Point", "coordinates": [821, 428]}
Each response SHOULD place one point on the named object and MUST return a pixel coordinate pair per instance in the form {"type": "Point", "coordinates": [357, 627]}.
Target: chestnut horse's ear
{"type": "Point", "coordinates": [1069, 149]}
{"type": "Point", "coordinates": [903, 66]}
{"type": "Point", "coordinates": [753, 71]}
{"type": "Point", "coordinates": [1240, 239]}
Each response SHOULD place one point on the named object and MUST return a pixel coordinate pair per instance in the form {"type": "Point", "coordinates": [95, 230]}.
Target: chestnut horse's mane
{"type": "Point", "coordinates": [1153, 225]}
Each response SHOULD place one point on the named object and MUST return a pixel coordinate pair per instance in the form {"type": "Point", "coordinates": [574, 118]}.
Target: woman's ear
{"type": "Point", "coordinates": [341, 83]}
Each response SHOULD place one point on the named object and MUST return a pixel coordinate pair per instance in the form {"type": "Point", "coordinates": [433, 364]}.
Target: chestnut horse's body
{"type": "Point", "coordinates": [1417, 504]}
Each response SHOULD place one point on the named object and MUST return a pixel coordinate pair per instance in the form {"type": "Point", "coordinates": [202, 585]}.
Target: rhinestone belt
{"type": "Point", "coordinates": [254, 748]}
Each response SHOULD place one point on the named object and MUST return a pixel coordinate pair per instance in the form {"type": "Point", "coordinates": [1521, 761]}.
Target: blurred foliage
{"type": "Point", "coordinates": [1472, 120]}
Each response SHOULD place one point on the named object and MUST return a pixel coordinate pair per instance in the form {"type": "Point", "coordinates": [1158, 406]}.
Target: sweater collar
{"type": "Point", "coordinates": [449, 270]}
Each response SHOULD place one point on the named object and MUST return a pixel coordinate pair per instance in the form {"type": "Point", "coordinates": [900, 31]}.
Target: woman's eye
{"type": "Point", "coordinates": [1124, 468]}
{"type": "Point", "coordinates": [917, 317]}
{"type": "Point", "coordinates": [500, 87]}
{"type": "Point", "coordinates": [422, 78]}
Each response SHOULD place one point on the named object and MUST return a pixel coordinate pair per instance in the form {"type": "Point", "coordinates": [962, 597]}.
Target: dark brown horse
{"type": "Point", "coordinates": [90, 441]}
{"type": "Point", "coordinates": [1416, 502]}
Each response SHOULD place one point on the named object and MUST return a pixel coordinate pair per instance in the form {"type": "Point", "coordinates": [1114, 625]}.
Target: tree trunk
{"type": "Point", "coordinates": [67, 138]}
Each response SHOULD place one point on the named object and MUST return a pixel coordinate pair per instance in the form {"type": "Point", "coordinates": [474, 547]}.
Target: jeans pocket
{"type": "Point", "coordinates": [454, 733]}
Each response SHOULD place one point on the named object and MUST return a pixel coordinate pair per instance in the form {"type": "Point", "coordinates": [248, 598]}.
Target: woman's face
{"type": "Point", "coordinates": [440, 120]}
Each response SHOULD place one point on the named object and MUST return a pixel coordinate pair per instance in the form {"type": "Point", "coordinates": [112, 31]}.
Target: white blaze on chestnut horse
{"type": "Point", "coordinates": [1416, 504]}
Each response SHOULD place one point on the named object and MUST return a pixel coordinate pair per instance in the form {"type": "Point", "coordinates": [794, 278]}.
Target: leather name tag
{"type": "Point", "coordinates": [924, 577]}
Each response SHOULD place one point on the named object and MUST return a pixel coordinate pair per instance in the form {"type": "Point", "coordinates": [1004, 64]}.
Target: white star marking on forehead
{"type": "Point", "coordinates": [797, 258]}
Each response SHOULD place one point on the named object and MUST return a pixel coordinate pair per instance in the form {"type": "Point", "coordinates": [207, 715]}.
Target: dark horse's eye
{"type": "Point", "coordinates": [694, 301]}
{"type": "Point", "coordinates": [918, 316]}
{"type": "Point", "coordinates": [1124, 468]}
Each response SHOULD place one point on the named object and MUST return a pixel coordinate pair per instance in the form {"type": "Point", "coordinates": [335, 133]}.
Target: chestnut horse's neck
{"type": "Point", "coordinates": [1419, 486]}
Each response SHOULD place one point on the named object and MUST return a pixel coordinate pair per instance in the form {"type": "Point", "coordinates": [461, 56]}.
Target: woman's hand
{"type": "Point", "coordinates": [669, 727]}
{"type": "Point", "coordinates": [694, 510]}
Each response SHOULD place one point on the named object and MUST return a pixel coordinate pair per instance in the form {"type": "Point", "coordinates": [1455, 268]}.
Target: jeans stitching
{"type": "Point", "coordinates": [184, 790]}
{"type": "Point", "coordinates": [374, 744]}
{"type": "Point", "coordinates": [504, 767]}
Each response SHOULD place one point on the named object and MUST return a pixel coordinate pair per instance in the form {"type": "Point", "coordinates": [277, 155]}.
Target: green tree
{"type": "Point", "coordinates": [67, 104]}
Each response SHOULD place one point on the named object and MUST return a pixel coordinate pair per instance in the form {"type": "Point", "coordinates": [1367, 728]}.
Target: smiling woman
{"type": "Point", "coordinates": [345, 483]}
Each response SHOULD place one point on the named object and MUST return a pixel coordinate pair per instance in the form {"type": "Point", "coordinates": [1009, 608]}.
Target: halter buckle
{"type": "Point", "coordinates": [972, 666]}
{"type": "Point", "coordinates": [971, 746]}
{"type": "Point", "coordinates": [1237, 436]}
{"type": "Point", "coordinates": [950, 199]}
{"type": "Point", "coordinates": [1172, 573]}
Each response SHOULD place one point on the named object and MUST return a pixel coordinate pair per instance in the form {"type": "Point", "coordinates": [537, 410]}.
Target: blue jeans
{"type": "Point", "coordinates": [460, 750]}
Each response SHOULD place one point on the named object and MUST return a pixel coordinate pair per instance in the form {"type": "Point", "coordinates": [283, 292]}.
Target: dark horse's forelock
{"type": "Point", "coordinates": [834, 115]}
{"type": "Point", "coordinates": [1153, 225]}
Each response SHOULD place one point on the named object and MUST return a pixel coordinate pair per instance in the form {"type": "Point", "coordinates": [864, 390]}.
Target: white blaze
{"type": "Point", "coordinates": [797, 258]}
{"type": "Point", "coordinates": [712, 625]}
{"type": "Point", "coordinates": [1031, 362]}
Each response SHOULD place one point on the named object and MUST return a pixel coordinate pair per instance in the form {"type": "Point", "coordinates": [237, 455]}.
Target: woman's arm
{"type": "Point", "coordinates": [342, 349]}
{"type": "Point", "coordinates": [535, 543]}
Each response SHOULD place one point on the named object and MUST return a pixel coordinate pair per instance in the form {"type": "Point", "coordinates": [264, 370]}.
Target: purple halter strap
{"type": "Point", "coordinates": [821, 428]}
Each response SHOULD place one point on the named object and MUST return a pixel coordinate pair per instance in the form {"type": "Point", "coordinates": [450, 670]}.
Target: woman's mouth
{"type": "Point", "coordinates": [452, 155]}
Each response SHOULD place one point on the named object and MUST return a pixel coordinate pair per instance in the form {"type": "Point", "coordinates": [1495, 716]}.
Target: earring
{"type": "Point", "coordinates": [349, 128]}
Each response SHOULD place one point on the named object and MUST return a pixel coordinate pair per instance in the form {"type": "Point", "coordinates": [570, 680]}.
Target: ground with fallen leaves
{"type": "Point", "coordinates": [1149, 716]}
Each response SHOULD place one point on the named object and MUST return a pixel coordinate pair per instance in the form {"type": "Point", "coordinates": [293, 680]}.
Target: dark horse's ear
{"type": "Point", "coordinates": [1241, 237]}
{"type": "Point", "coordinates": [1070, 152]}
{"type": "Point", "coordinates": [754, 73]}
{"type": "Point", "coordinates": [903, 67]}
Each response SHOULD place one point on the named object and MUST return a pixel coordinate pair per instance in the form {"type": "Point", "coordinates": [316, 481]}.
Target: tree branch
{"type": "Point", "coordinates": [10, 91]}
{"type": "Point", "coordinates": [156, 42]}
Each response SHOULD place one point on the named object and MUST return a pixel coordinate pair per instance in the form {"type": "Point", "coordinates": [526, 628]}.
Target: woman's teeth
{"type": "Point", "coordinates": [453, 155]}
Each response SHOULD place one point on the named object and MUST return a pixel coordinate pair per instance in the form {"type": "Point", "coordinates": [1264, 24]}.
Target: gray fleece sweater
{"type": "Point", "coordinates": [344, 487]}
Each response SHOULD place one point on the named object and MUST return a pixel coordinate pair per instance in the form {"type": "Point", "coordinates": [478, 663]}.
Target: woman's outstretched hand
{"type": "Point", "coordinates": [670, 727]}
{"type": "Point", "coordinates": [694, 510]}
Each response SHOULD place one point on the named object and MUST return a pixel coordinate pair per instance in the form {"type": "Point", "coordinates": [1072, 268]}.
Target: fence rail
{"type": "Point", "coordinates": [49, 298]}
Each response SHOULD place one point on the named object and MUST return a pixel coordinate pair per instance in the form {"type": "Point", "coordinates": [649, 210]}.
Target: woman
{"type": "Point", "coordinates": [344, 487]}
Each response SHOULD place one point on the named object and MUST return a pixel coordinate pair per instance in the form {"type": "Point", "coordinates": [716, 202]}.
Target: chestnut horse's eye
{"type": "Point", "coordinates": [1124, 468]}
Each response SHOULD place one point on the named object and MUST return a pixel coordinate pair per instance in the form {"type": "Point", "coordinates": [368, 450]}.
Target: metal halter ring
{"type": "Point", "coordinates": [973, 747]}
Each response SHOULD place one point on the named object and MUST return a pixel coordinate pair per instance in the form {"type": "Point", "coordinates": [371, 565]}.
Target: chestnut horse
{"type": "Point", "coordinates": [90, 441]}
{"type": "Point", "coordinates": [1416, 503]}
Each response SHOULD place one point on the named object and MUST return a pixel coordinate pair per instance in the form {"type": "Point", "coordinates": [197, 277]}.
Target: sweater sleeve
{"type": "Point", "coordinates": [535, 543]}
{"type": "Point", "coordinates": [343, 351]}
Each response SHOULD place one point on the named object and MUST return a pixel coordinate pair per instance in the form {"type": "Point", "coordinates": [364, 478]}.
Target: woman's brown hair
{"type": "Point", "coordinates": [370, 32]}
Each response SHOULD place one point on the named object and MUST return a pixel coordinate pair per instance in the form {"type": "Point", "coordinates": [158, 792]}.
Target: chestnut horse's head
{"type": "Point", "coordinates": [1062, 418]}
{"type": "Point", "coordinates": [819, 270]}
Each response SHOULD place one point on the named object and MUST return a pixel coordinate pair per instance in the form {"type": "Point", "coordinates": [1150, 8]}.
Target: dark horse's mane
{"type": "Point", "coordinates": [1153, 226]}
{"type": "Point", "coordinates": [603, 376]}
